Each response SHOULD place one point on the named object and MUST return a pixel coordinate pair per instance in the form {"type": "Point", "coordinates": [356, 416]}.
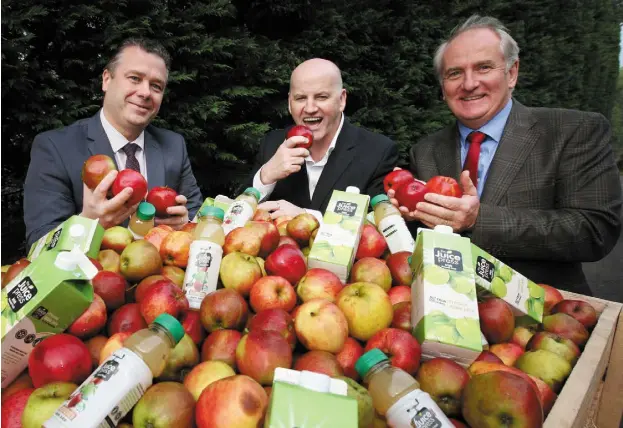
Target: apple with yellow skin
{"type": "Point", "coordinates": [375, 271]}
{"type": "Point", "coordinates": [319, 283]}
{"type": "Point", "coordinates": [44, 401]}
{"type": "Point", "coordinates": [507, 352]}
{"type": "Point", "coordinates": [116, 238]}
{"type": "Point", "coordinates": [239, 272]}
{"type": "Point", "coordinates": [320, 325]}
{"type": "Point", "coordinates": [204, 374]}
{"type": "Point", "coordinates": [367, 309]}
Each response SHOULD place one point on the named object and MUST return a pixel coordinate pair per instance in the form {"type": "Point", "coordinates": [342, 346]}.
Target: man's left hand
{"type": "Point", "coordinates": [280, 208]}
{"type": "Point", "coordinates": [178, 214]}
{"type": "Point", "coordinates": [459, 213]}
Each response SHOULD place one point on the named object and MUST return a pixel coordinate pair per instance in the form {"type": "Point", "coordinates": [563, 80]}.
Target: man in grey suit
{"type": "Point", "coordinates": [133, 83]}
{"type": "Point", "coordinates": [541, 188]}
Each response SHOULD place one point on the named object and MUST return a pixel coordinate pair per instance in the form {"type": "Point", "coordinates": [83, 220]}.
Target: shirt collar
{"type": "Point", "coordinates": [494, 128]}
{"type": "Point", "coordinates": [116, 139]}
{"type": "Point", "coordinates": [331, 146]}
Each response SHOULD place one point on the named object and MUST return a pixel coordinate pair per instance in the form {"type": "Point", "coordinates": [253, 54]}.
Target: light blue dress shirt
{"type": "Point", "coordinates": [494, 130]}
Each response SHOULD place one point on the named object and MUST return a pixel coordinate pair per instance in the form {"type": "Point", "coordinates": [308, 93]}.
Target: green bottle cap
{"type": "Point", "coordinates": [146, 211]}
{"type": "Point", "coordinates": [172, 325]}
{"type": "Point", "coordinates": [212, 211]}
{"type": "Point", "coordinates": [254, 192]}
{"type": "Point", "coordinates": [369, 360]}
{"type": "Point", "coordinates": [377, 199]}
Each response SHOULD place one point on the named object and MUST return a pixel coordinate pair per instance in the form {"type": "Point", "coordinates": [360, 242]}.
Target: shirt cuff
{"type": "Point", "coordinates": [264, 189]}
{"type": "Point", "coordinates": [315, 213]}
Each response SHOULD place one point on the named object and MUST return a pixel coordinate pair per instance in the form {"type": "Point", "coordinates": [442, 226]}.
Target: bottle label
{"type": "Point", "coordinates": [204, 262]}
{"type": "Point", "coordinates": [397, 234]}
{"type": "Point", "coordinates": [237, 215]}
{"type": "Point", "coordinates": [107, 395]}
{"type": "Point", "coordinates": [417, 410]}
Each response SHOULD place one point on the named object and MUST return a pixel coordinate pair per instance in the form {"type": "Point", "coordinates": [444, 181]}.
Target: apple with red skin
{"type": "Point", "coordinates": [371, 243]}
{"type": "Point", "coordinates": [566, 326]}
{"type": "Point", "coordinates": [90, 321]}
{"type": "Point", "coordinates": [348, 356]}
{"type": "Point", "coordinates": [127, 318]}
{"type": "Point", "coordinates": [146, 283]}
{"type": "Point", "coordinates": [269, 236]}
{"type": "Point", "coordinates": [301, 131]}
{"type": "Point", "coordinates": [286, 261]}
{"type": "Point", "coordinates": [552, 296]}
{"type": "Point", "coordinates": [260, 352]}
{"type": "Point", "coordinates": [301, 227]}
{"type": "Point", "coordinates": [411, 193]}
{"type": "Point", "coordinates": [444, 380]}
{"type": "Point", "coordinates": [523, 333]}
{"type": "Point", "coordinates": [223, 308]}
{"type": "Point", "coordinates": [319, 283]}
{"type": "Point", "coordinates": [286, 240]}
{"type": "Point", "coordinates": [578, 309]}
{"type": "Point", "coordinates": [97, 264]}
{"type": "Point", "coordinates": [113, 343]}
{"type": "Point", "coordinates": [399, 293]}
{"type": "Point", "coordinates": [272, 292]}
{"type": "Point", "coordinates": [547, 396]}
{"type": "Point", "coordinates": [156, 235]}
{"type": "Point", "coordinates": [446, 186]}
{"type": "Point", "coordinates": [320, 362]}
{"type": "Point", "coordinates": [134, 180]}
{"type": "Point", "coordinates": [59, 358]}
{"type": "Point", "coordinates": [175, 248]}
{"type": "Point", "coordinates": [162, 197]}
{"type": "Point", "coordinates": [276, 320]}
{"type": "Point", "coordinates": [402, 348]}
{"type": "Point", "coordinates": [244, 240]}
{"type": "Point", "coordinates": [164, 297]}
{"type": "Point", "coordinates": [165, 404]}
{"type": "Point", "coordinates": [457, 424]}
{"type": "Point", "coordinates": [566, 348]}
{"type": "Point", "coordinates": [321, 326]}
{"type": "Point", "coordinates": [262, 215]}
{"type": "Point", "coordinates": [13, 408]}
{"type": "Point", "coordinates": [396, 178]}
{"type": "Point", "coordinates": [95, 168]}
{"type": "Point", "coordinates": [490, 357]}
{"type": "Point", "coordinates": [23, 381]}
{"type": "Point", "coordinates": [373, 271]}
{"type": "Point", "coordinates": [95, 345]}
{"type": "Point", "coordinates": [497, 321]}
{"type": "Point", "coordinates": [111, 287]}
{"type": "Point", "coordinates": [400, 268]}
{"type": "Point", "coordinates": [507, 352]}
{"type": "Point", "coordinates": [191, 321]}
{"type": "Point", "coordinates": [402, 316]}
{"type": "Point", "coordinates": [220, 345]}
{"type": "Point", "coordinates": [14, 270]}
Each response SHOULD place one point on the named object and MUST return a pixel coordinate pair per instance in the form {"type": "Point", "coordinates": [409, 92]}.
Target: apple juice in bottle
{"type": "Point", "coordinates": [142, 220]}
{"type": "Point", "coordinates": [241, 210]}
{"type": "Point", "coordinates": [397, 395]}
{"type": "Point", "coordinates": [204, 257]}
{"type": "Point", "coordinates": [391, 225]}
{"type": "Point", "coordinates": [120, 381]}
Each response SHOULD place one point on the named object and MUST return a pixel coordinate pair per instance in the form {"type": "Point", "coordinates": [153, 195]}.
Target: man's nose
{"type": "Point", "coordinates": [144, 89]}
{"type": "Point", "coordinates": [470, 81]}
{"type": "Point", "coordinates": [310, 105]}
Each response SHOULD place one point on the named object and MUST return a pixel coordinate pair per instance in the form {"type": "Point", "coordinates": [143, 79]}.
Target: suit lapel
{"type": "Point", "coordinates": [154, 161]}
{"type": "Point", "coordinates": [448, 154]}
{"type": "Point", "coordinates": [338, 162]}
{"type": "Point", "coordinates": [98, 141]}
{"type": "Point", "coordinates": [516, 144]}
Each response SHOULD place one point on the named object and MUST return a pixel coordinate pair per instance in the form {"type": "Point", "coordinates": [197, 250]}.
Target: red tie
{"type": "Point", "coordinates": [471, 161]}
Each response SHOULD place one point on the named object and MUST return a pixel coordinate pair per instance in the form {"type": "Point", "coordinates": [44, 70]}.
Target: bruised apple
{"type": "Point", "coordinates": [162, 197]}
{"type": "Point", "coordinates": [95, 168]}
{"type": "Point", "coordinates": [134, 180]}
{"type": "Point", "coordinates": [127, 318]}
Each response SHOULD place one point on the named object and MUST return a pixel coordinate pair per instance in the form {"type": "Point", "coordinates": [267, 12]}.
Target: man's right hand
{"type": "Point", "coordinates": [287, 160]}
{"type": "Point", "coordinates": [406, 214]}
{"type": "Point", "coordinates": [110, 212]}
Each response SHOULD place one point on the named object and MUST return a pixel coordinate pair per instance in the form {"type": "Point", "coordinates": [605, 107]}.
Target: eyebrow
{"type": "Point", "coordinates": [140, 73]}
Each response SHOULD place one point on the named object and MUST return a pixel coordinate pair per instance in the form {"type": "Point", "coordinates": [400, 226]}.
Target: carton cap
{"type": "Point", "coordinates": [70, 260]}
{"type": "Point", "coordinates": [442, 228]}
{"type": "Point", "coordinates": [353, 189]}
{"type": "Point", "coordinates": [76, 231]}
{"type": "Point", "coordinates": [315, 381]}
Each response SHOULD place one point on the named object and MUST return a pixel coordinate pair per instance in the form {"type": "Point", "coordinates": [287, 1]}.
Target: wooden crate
{"type": "Point", "coordinates": [573, 405]}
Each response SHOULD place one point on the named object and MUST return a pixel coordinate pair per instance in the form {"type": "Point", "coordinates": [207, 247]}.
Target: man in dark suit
{"type": "Point", "coordinates": [133, 82]}
{"type": "Point", "coordinates": [541, 188]}
{"type": "Point", "coordinates": [291, 179]}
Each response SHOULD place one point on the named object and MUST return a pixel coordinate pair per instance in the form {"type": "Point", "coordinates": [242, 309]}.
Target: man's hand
{"type": "Point", "coordinates": [391, 194]}
{"type": "Point", "coordinates": [111, 212]}
{"type": "Point", "coordinates": [279, 208]}
{"type": "Point", "coordinates": [178, 214]}
{"type": "Point", "coordinates": [286, 160]}
{"type": "Point", "coordinates": [459, 213]}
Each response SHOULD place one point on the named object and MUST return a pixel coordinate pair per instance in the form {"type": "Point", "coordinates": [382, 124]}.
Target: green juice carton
{"type": "Point", "coordinates": [338, 236]}
{"type": "Point", "coordinates": [444, 307]}
{"type": "Point", "coordinates": [494, 277]}
{"type": "Point", "coordinates": [78, 231]}
{"type": "Point", "coordinates": [42, 300]}
{"type": "Point", "coordinates": [222, 202]}
{"type": "Point", "coordinates": [305, 399]}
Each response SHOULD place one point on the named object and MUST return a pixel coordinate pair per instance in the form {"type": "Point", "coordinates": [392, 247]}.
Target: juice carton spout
{"type": "Point", "coordinates": [70, 260]}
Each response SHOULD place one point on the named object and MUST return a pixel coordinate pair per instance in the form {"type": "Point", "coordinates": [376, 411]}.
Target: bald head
{"type": "Point", "coordinates": [316, 68]}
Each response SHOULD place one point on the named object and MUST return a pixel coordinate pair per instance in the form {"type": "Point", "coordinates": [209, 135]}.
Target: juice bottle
{"type": "Point", "coordinates": [204, 258]}
{"type": "Point", "coordinates": [397, 395]}
{"type": "Point", "coordinates": [142, 220]}
{"type": "Point", "coordinates": [121, 380]}
{"type": "Point", "coordinates": [241, 210]}
{"type": "Point", "coordinates": [391, 225]}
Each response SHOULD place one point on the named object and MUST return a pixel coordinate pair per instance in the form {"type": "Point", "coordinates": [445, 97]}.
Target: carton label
{"type": "Point", "coordinates": [448, 259]}
{"type": "Point", "coordinates": [201, 278]}
{"type": "Point", "coordinates": [21, 294]}
{"type": "Point", "coordinates": [237, 216]}
{"type": "Point", "coordinates": [345, 208]}
{"type": "Point", "coordinates": [417, 409]}
{"type": "Point", "coordinates": [484, 269]}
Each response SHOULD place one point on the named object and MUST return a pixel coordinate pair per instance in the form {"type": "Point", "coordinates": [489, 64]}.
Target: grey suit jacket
{"type": "Point", "coordinates": [53, 188]}
{"type": "Point", "coordinates": [552, 198]}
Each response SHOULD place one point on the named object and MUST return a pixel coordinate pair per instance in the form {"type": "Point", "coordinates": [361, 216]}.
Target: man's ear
{"type": "Point", "coordinates": [106, 76]}
{"type": "Point", "coordinates": [343, 100]}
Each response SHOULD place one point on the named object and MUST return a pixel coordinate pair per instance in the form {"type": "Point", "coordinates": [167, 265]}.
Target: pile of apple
{"type": "Point", "coordinates": [271, 311]}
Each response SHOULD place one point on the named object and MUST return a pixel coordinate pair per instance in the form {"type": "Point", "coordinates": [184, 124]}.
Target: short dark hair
{"type": "Point", "coordinates": [149, 46]}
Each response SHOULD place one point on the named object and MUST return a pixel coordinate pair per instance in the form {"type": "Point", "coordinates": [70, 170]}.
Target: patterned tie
{"type": "Point", "coordinates": [471, 161]}
{"type": "Point", "coordinates": [131, 162]}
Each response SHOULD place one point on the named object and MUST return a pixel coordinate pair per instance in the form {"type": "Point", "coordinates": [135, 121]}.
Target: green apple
{"type": "Point", "coordinates": [549, 367]}
{"type": "Point", "coordinates": [44, 401]}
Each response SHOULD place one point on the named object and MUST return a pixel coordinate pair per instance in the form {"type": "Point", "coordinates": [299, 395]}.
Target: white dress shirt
{"type": "Point", "coordinates": [118, 141]}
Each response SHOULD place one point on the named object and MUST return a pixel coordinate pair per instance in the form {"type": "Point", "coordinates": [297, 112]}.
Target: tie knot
{"type": "Point", "coordinates": [130, 149]}
{"type": "Point", "coordinates": [476, 137]}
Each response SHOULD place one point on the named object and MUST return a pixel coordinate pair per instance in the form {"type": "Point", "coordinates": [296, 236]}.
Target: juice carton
{"type": "Point", "coordinates": [42, 300]}
{"type": "Point", "coordinates": [78, 231]}
{"type": "Point", "coordinates": [494, 277]}
{"type": "Point", "coordinates": [222, 202]}
{"type": "Point", "coordinates": [338, 236]}
{"type": "Point", "coordinates": [306, 399]}
{"type": "Point", "coordinates": [444, 307]}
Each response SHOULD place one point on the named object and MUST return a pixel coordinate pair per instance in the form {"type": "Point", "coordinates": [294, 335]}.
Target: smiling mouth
{"type": "Point", "coordinates": [312, 121]}
{"type": "Point", "coordinates": [140, 107]}
{"type": "Point", "coordinates": [473, 98]}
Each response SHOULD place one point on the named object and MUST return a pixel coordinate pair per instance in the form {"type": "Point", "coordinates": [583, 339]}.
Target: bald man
{"type": "Point", "coordinates": [293, 180]}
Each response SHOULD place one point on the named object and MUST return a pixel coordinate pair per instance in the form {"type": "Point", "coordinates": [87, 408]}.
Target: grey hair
{"type": "Point", "coordinates": [149, 46]}
{"type": "Point", "coordinates": [509, 46]}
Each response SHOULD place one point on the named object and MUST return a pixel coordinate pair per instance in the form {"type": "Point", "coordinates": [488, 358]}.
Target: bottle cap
{"type": "Point", "coordinates": [172, 325]}
{"type": "Point", "coordinates": [254, 192]}
{"type": "Point", "coordinates": [146, 211]}
{"type": "Point", "coordinates": [378, 198]}
{"type": "Point", "coordinates": [212, 211]}
{"type": "Point", "coordinates": [353, 189]}
{"type": "Point", "coordinates": [369, 360]}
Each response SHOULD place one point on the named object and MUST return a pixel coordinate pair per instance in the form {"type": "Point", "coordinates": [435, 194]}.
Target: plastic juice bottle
{"type": "Point", "coordinates": [391, 225]}
{"type": "Point", "coordinates": [142, 220]}
{"type": "Point", "coordinates": [397, 395]}
{"type": "Point", "coordinates": [241, 210]}
{"type": "Point", "coordinates": [204, 258]}
{"type": "Point", "coordinates": [121, 380]}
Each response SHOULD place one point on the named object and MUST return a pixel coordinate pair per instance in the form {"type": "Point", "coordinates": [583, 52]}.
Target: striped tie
{"type": "Point", "coordinates": [131, 162]}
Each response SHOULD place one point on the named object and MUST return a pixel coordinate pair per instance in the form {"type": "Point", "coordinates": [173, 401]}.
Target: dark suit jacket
{"type": "Point", "coordinates": [53, 188]}
{"type": "Point", "coordinates": [552, 198]}
{"type": "Point", "coordinates": [361, 158]}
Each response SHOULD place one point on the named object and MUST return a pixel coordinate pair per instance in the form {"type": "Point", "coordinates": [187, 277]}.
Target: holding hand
{"type": "Point", "coordinates": [178, 214]}
{"type": "Point", "coordinates": [110, 212]}
{"type": "Point", "coordinates": [280, 208]}
{"type": "Point", "coordinates": [287, 160]}
{"type": "Point", "coordinates": [406, 214]}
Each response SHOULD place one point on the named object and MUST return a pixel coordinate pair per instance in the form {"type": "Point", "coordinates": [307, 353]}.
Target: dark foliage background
{"type": "Point", "coordinates": [232, 61]}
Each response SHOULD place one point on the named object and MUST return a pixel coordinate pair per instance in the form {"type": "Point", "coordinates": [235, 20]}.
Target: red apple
{"type": "Point", "coordinates": [146, 284]}
{"type": "Point", "coordinates": [95, 168]}
{"type": "Point", "coordinates": [319, 283]}
{"type": "Point", "coordinates": [111, 287]}
{"type": "Point", "coordinates": [91, 321]}
{"type": "Point", "coordinates": [547, 396]}
{"type": "Point", "coordinates": [446, 186]}
{"type": "Point", "coordinates": [221, 345]}
{"type": "Point", "coordinates": [320, 362]}
{"type": "Point", "coordinates": [301, 131]}
{"type": "Point", "coordinates": [497, 322]}
{"type": "Point", "coordinates": [399, 293]}
{"type": "Point", "coordinates": [191, 321]}
{"type": "Point", "coordinates": [59, 358]}
{"type": "Point", "coordinates": [157, 234]}
{"type": "Point", "coordinates": [244, 240]}
{"type": "Point", "coordinates": [272, 292]}
{"type": "Point", "coordinates": [400, 268]}
{"type": "Point", "coordinates": [552, 296]}
{"type": "Point", "coordinates": [175, 247]}
{"type": "Point", "coordinates": [402, 316]}
{"type": "Point", "coordinates": [283, 240]}
{"type": "Point", "coordinates": [276, 320]}
{"type": "Point", "coordinates": [523, 333]}
{"type": "Point", "coordinates": [14, 270]}
{"type": "Point", "coordinates": [578, 309]}
{"type": "Point", "coordinates": [411, 193]}
{"type": "Point", "coordinates": [445, 381]}
{"type": "Point", "coordinates": [163, 298]}
{"type": "Point", "coordinates": [396, 178]}
{"type": "Point", "coordinates": [116, 238]}
{"type": "Point", "coordinates": [507, 352]}
{"type": "Point", "coordinates": [97, 264]}
{"type": "Point", "coordinates": [371, 243]}
{"type": "Point", "coordinates": [402, 348]}
{"type": "Point", "coordinates": [566, 326]}
{"type": "Point", "coordinates": [95, 345]}
{"type": "Point", "coordinates": [348, 356]}
{"type": "Point", "coordinates": [127, 318]}
{"type": "Point", "coordinates": [239, 271]}
{"type": "Point", "coordinates": [301, 228]}
{"type": "Point", "coordinates": [286, 261]}
{"type": "Point", "coordinates": [371, 270]}
{"type": "Point", "coordinates": [262, 215]}
{"type": "Point", "coordinates": [259, 353]}
{"type": "Point", "coordinates": [223, 308]}
{"type": "Point", "coordinates": [490, 357]}
{"type": "Point", "coordinates": [13, 408]}
{"type": "Point", "coordinates": [134, 180]}
{"type": "Point", "coordinates": [269, 236]}
{"type": "Point", "coordinates": [320, 325]}
{"type": "Point", "coordinates": [457, 424]}
{"type": "Point", "coordinates": [23, 381]}
{"type": "Point", "coordinates": [165, 404]}
{"type": "Point", "coordinates": [162, 198]}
